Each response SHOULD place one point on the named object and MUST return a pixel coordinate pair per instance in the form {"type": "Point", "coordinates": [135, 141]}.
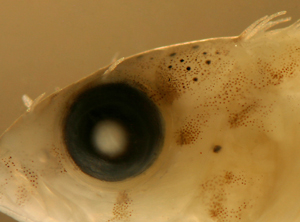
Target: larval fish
{"type": "Point", "coordinates": [206, 130]}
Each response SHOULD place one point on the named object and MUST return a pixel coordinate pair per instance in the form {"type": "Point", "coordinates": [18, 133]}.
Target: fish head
{"type": "Point", "coordinates": [198, 131]}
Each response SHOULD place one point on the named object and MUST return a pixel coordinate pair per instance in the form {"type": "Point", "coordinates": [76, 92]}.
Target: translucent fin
{"type": "Point", "coordinates": [29, 103]}
{"type": "Point", "coordinates": [113, 66]}
{"type": "Point", "coordinates": [263, 25]}
{"type": "Point", "coordinates": [296, 25]}
{"type": "Point", "coordinates": [115, 57]}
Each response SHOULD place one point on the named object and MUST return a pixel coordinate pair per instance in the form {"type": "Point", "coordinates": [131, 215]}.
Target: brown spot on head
{"type": "Point", "coordinates": [217, 191]}
{"type": "Point", "coordinates": [207, 62]}
{"type": "Point", "coordinates": [228, 177]}
{"type": "Point", "coordinates": [122, 197]}
{"type": "Point", "coordinates": [217, 149]}
{"type": "Point", "coordinates": [169, 92]}
{"type": "Point", "coordinates": [121, 209]}
{"type": "Point", "coordinates": [217, 210]}
{"type": "Point", "coordinates": [238, 119]}
{"type": "Point", "coordinates": [213, 213]}
{"type": "Point", "coordinates": [183, 138]}
{"type": "Point", "coordinates": [167, 89]}
{"type": "Point", "coordinates": [188, 134]}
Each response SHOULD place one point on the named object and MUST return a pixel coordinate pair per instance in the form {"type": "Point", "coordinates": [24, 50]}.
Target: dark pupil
{"type": "Point", "coordinates": [129, 108]}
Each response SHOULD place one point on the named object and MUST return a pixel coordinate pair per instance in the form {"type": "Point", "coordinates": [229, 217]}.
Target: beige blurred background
{"type": "Point", "coordinates": [48, 43]}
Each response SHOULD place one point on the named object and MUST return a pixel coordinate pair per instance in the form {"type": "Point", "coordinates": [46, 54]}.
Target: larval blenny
{"type": "Point", "coordinates": [199, 131]}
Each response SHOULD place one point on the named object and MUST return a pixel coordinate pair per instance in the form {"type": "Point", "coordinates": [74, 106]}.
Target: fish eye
{"type": "Point", "coordinates": [113, 131]}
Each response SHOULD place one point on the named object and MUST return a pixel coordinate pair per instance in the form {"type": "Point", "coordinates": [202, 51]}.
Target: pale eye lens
{"type": "Point", "coordinates": [110, 138]}
{"type": "Point", "coordinates": [113, 132]}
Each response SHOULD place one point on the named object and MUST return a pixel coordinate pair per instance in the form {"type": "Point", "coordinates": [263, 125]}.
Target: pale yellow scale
{"type": "Point", "coordinates": [231, 109]}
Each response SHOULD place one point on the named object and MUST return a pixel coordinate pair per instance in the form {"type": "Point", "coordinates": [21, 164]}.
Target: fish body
{"type": "Point", "coordinates": [228, 148]}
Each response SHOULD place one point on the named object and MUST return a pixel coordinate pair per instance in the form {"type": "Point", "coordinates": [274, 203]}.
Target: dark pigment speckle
{"type": "Point", "coordinates": [217, 149]}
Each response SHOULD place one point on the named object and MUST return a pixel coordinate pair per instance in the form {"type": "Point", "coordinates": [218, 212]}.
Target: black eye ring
{"type": "Point", "coordinates": [130, 108]}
